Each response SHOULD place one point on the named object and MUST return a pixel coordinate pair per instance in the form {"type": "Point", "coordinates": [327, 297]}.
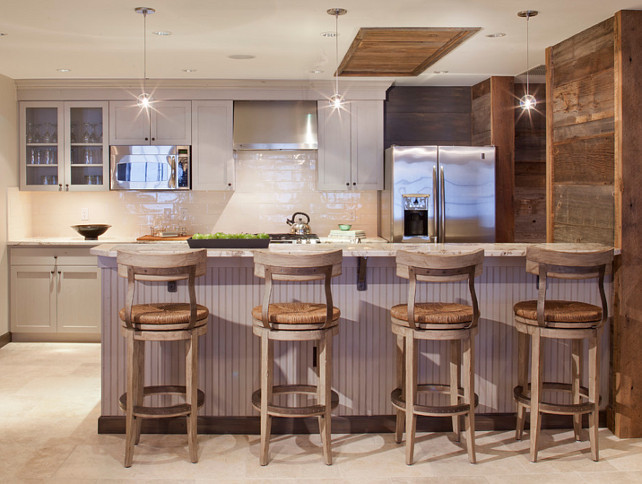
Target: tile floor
{"type": "Point", "coordinates": [50, 403]}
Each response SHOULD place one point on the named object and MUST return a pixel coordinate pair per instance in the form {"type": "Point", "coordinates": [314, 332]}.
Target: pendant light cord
{"type": "Point", "coordinates": [144, 50]}
{"type": "Point", "coordinates": [528, 17]}
{"type": "Point", "coordinates": [336, 52]}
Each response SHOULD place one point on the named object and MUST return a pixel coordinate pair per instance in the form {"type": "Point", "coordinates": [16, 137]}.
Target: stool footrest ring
{"type": "Point", "coordinates": [294, 411]}
{"type": "Point", "coordinates": [397, 400]}
{"type": "Point", "coordinates": [556, 408]}
{"type": "Point", "coordinates": [161, 412]}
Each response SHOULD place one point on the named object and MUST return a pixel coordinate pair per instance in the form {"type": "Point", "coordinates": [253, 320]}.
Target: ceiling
{"type": "Point", "coordinates": [105, 39]}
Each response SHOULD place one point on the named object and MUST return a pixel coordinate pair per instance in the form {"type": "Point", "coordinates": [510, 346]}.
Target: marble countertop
{"type": "Point", "coordinates": [349, 250]}
{"type": "Point", "coordinates": [67, 241]}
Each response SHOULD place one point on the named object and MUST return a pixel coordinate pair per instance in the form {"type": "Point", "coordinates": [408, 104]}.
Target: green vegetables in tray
{"type": "Point", "coordinates": [222, 235]}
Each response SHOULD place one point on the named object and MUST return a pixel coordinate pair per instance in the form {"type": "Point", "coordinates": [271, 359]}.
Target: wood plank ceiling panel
{"type": "Point", "coordinates": [395, 52]}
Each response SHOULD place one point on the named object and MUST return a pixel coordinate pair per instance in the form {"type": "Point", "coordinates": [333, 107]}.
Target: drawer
{"type": "Point", "coordinates": [49, 255]}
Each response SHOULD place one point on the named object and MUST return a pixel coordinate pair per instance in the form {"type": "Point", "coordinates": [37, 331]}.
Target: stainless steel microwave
{"type": "Point", "coordinates": [150, 167]}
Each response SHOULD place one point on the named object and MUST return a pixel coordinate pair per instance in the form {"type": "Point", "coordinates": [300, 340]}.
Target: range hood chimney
{"type": "Point", "coordinates": [275, 125]}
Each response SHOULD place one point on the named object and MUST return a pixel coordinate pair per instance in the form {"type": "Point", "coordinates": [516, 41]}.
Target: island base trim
{"type": "Point", "coordinates": [340, 425]}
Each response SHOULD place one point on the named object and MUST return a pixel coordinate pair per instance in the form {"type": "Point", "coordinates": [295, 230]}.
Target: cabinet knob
{"type": "Point", "coordinates": [348, 184]}
{"type": "Point", "coordinates": [60, 187]}
{"type": "Point", "coordinates": [153, 139]}
{"type": "Point", "coordinates": [229, 184]}
{"type": "Point", "coordinates": [146, 139]}
{"type": "Point", "coordinates": [354, 183]}
{"type": "Point", "coordinates": [67, 187]}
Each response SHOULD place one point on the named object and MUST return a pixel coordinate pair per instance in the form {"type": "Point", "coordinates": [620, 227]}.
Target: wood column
{"type": "Point", "coordinates": [625, 417]}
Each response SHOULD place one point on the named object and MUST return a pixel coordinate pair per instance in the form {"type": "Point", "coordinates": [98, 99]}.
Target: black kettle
{"type": "Point", "coordinates": [299, 227]}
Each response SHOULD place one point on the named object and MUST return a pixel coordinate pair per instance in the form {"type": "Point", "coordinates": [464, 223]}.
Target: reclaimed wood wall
{"type": "Point", "coordinates": [530, 167]}
{"type": "Point", "coordinates": [417, 116]}
{"type": "Point", "coordinates": [580, 137]}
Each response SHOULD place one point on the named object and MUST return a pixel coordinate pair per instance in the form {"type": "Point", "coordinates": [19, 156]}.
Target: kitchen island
{"type": "Point", "coordinates": [364, 355]}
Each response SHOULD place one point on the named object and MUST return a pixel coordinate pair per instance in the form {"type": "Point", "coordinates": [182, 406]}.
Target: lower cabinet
{"type": "Point", "coordinates": [55, 295]}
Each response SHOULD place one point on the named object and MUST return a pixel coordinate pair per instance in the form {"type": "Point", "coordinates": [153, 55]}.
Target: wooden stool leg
{"type": "Point", "coordinates": [536, 391]}
{"type": "Point", "coordinates": [469, 394]}
{"type": "Point", "coordinates": [139, 355]}
{"type": "Point", "coordinates": [522, 380]}
{"type": "Point", "coordinates": [576, 372]}
{"type": "Point", "coordinates": [455, 378]}
{"type": "Point", "coordinates": [401, 383]}
{"type": "Point", "coordinates": [410, 394]}
{"type": "Point", "coordinates": [325, 396]}
{"type": "Point", "coordinates": [191, 384]}
{"type": "Point", "coordinates": [267, 379]}
{"type": "Point", "coordinates": [594, 391]}
{"type": "Point", "coordinates": [132, 391]}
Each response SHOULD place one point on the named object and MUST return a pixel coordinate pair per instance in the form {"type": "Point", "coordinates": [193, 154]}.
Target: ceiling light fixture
{"type": "Point", "coordinates": [162, 33]}
{"type": "Point", "coordinates": [496, 35]}
{"type": "Point", "coordinates": [190, 70]}
{"type": "Point", "coordinates": [336, 100]}
{"type": "Point", "coordinates": [63, 69]}
{"type": "Point", "coordinates": [144, 99]}
{"type": "Point", "coordinates": [527, 101]}
{"type": "Point", "coordinates": [241, 56]}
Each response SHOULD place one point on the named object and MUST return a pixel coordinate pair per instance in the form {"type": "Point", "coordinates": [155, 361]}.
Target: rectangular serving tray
{"type": "Point", "coordinates": [228, 243]}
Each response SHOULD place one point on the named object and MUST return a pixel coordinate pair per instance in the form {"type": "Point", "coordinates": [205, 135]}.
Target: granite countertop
{"type": "Point", "coordinates": [349, 250]}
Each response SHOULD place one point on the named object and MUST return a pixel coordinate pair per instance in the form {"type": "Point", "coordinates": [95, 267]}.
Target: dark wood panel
{"type": "Point", "coordinates": [481, 139]}
{"type": "Point", "coordinates": [480, 89]}
{"type": "Point", "coordinates": [530, 214]}
{"type": "Point", "coordinates": [340, 425]}
{"type": "Point", "coordinates": [626, 377]}
{"type": "Point", "coordinates": [428, 99]}
{"type": "Point", "coordinates": [584, 161]}
{"type": "Point", "coordinates": [584, 130]}
{"type": "Point", "coordinates": [584, 100]}
{"type": "Point", "coordinates": [481, 115]}
{"type": "Point", "coordinates": [448, 128]}
{"type": "Point", "coordinates": [503, 137]}
{"type": "Point", "coordinates": [583, 213]}
{"type": "Point", "coordinates": [530, 174]}
{"type": "Point", "coordinates": [593, 39]}
{"type": "Point", "coordinates": [530, 146]}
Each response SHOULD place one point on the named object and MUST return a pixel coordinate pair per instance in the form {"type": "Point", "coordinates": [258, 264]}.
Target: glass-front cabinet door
{"type": "Point", "coordinates": [88, 152]}
{"type": "Point", "coordinates": [41, 145]}
{"type": "Point", "coordinates": [63, 146]}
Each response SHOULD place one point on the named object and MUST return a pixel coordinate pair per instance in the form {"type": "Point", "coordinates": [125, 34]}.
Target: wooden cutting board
{"type": "Point", "coordinates": [154, 238]}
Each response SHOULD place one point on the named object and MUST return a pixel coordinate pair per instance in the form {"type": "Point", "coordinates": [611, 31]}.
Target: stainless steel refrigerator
{"type": "Point", "coordinates": [438, 193]}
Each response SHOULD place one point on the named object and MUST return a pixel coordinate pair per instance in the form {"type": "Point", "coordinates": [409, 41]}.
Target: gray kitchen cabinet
{"type": "Point", "coordinates": [212, 153]}
{"type": "Point", "coordinates": [164, 123]}
{"type": "Point", "coordinates": [55, 294]}
{"type": "Point", "coordinates": [350, 146]}
{"type": "Point", "coordinates": [63, 146]}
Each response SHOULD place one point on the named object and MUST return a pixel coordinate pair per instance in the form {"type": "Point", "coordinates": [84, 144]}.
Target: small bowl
{"type": "Point", "coordinates": [91, 231]}
{"type": "Point", "coordinates": [345, 226]}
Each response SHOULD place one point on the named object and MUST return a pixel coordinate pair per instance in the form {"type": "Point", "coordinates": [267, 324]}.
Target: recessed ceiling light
{"type": "Point", "coordinates": [496, 34]}
{"type": "Point", "coordinates": [328, 34]}
{"type": "Point", "coordinates": [63, 69]}
{"type": "Point", "coordinates": [162, 33]}
{"type": "Point", "coordinates": [440, 72]}
{"type": "Point", "coordinates": [241, 56]}
{"type": "Point", "coordinates": [316, 71]}
{"type": "Point", "coordinates": [189, 70]}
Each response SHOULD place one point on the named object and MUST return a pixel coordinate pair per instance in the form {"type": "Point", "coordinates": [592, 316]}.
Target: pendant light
{"type": "Point", "coordinates": [144, 99]}
{"type": "Point", "coordinates": [527, 101]}
{"type": "Point", "coordinates": [336, 100]}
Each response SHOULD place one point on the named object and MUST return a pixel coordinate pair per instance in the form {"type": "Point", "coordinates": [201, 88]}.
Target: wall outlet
{"type": "Point", "coordinates": [84, 214]}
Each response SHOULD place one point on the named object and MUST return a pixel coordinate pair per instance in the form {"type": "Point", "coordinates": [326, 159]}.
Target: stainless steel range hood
{"type": "Point", "coordinates": [275, 125]}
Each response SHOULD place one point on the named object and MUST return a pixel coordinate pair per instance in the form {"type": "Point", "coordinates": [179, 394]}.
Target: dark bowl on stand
{"type": "Point", "coordinates": [91, 231]}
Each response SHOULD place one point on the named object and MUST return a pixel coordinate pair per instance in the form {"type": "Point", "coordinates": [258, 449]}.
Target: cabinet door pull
{"type": "Point", "coordinates": [67, 187]}
{"type": "Point", "coordinates": [60, 187]}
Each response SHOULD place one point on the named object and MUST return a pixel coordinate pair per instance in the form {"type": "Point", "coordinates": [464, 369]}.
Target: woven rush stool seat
{"type": "Point", "coordinates": [296, 321]}
{"type": "Point", "coordinates": [161, 321]}
{"type": "Point", "coordinates": [436, 321]}
{"type": "Point", "coordinates": [552, 319]}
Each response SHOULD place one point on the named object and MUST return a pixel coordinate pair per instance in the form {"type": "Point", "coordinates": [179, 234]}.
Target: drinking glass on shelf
{"type": "Point", "coordinates": [86, 132]}
{"type": "Point", "coordinates": [96, 135]}
{"type": "Point", "coordinates": [73, 136]}
{"type": "Point", "coordinates": [88, 156]}
{"type": "Point", "coordinates": [46, 134]}
{"type": "Point", "coordinates": [36, 133]}
{"type": "Point", "coordinates": [54, 132]}
{"type": "Point", "coordinates": [47, 157]}
{"type": "Point", "coordinates": [29, 132]}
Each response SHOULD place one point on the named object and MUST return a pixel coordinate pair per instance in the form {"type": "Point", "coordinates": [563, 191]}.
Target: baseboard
{"type": "Point", "coordinates": [5, 339]}
{"type": "Point", "coordinates": [340, 425]}
{"type": "Point", "coordinates": [55, 337]}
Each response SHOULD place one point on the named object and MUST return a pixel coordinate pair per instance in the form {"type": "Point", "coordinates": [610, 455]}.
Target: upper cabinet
{"type": "Point", "coordinates": [350, 146]}
{"type": "Point", "coordinates": [212, 154]}
{"type": "Point", "coordinates": [63, 146]}
{"type": "Point", "coordinates": [164, 123]}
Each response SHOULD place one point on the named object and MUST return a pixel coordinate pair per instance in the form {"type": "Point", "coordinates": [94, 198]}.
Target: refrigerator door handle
{"type": "Point", "coordinates": [442, 210]}
{"type": "Point", "coordinates": [435, 203]}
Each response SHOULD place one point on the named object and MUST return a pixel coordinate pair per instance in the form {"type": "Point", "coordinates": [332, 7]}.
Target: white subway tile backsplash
{"type": "Point", "coordinates": [270, 187]}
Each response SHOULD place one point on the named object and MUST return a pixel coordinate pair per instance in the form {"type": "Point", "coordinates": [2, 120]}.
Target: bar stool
{"type": "Point", "coordinates": [557, 319]}
{"type": "Point", "coordinates": [296, 321]}
{"type": "Point", "coordinates": [440, 321]}
{"type": "Point", "coordinates": [161, 322]}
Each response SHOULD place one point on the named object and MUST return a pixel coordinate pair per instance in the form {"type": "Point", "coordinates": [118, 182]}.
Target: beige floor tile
{"type": "Point", "coordinates": [50, 404]}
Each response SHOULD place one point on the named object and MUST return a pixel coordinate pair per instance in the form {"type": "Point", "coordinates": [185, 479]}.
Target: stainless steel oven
{"type": "Point", "coordinates": [150, 167]}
